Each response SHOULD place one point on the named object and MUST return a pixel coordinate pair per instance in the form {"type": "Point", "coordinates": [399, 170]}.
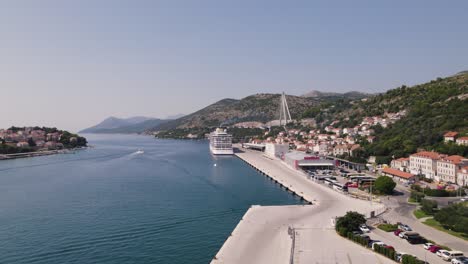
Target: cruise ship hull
{"type": "Point", "coordinates": [221, 151]}
{"type": "Point", "coordinates": [221, 142]}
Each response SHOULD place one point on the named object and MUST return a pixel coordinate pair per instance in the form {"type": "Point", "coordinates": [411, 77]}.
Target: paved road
{"type": "Point", "coordinates": [401, 211]}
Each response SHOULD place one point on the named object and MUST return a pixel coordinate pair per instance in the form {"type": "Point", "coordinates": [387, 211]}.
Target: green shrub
{"type": "Point", "coordinates": [428, 206]}
{"type": "Point", "coordinates": [358, 239]}
{"type": "Point", "coordinates": [418, 213]}
{"type": "Point", "coordinates": [388, 227]}
{"type": "Point", "coordinates": [342, 231]}
{"type": "Point", "coordinates": [416, 187]}
{"type": "Point", "coordinates": [454, 217]}
{"type": "Point", "coordinates": [440, 193]}
{"type": "Point", "coordinates": [433, 192]}
{"type": "Point", "coordinates": [388, 252]}
{"type": "Point", "coordinates": [408, 259]}
{"type": "Point", "coordinates": [417, 196]}
{"type": "Point", "coordinates": [351, 222]}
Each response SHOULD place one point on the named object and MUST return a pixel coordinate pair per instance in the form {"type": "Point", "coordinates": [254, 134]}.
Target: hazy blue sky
{"type": "Point", "coordinates": [71, 64]}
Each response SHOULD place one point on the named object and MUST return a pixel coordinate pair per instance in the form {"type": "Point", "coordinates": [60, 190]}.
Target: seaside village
{"type": "Point", "coordinates": [438, 170]}
{"type": "Point", "coordinates": [32, 137]}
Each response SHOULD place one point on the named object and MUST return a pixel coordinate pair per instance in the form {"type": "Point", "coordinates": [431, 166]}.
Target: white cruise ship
{"type": "Point", "coordinates": [221, 142]}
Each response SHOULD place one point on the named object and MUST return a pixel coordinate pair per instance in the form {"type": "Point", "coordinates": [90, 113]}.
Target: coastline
{"type": "Point", "coordinates": [38, 153]}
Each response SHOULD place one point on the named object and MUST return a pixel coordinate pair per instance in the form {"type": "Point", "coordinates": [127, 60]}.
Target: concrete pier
{"type": "Point", "coordinates": [264, 234]}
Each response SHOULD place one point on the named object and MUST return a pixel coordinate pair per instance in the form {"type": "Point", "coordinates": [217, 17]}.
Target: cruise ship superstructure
{"type": "Point", "coordinates": [221, 142]}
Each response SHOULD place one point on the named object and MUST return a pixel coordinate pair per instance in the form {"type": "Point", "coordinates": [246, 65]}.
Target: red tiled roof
{"type": "Point", "coordinates": [428, 154]}
{"type": "Point", "coordinates": [403, 159]}
{"type": "Point", "coordinates": [354, 147]}
{"type": "Point", "coordinates": [398, 173]}
{"type": "Point", "coordinates": [455, 159]}
{"type": "Point", "coordinates": [463, 138]}
{"type": "Point", "coordinates": [451, 134]}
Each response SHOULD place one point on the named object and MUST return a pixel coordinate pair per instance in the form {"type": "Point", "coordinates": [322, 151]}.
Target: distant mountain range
{"type": "Point", "coordinates": [132, 125]}
{"type": "Point", "coordinates": [258, 107]}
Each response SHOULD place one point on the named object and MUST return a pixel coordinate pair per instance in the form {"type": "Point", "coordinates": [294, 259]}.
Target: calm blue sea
{"type": "Point", "coordinates": [108, 204]}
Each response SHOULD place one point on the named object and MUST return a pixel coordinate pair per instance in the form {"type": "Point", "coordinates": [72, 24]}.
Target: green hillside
{"type": "Point", "coordinates": [432, 108]}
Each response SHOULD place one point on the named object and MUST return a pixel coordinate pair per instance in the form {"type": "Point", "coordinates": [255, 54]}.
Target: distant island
{"type": "Point", "coordinates": [16, 140]}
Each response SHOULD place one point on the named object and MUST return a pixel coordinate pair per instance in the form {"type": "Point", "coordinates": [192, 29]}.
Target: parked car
{"type": "Point", "coordinates": [405, 227]}
{"type": "Point", "coordinates": [380, 243]}
{"type": "Point", "coordinates": [364, 228]}
{"type": "Point", "coordinates": [460, 260]}
{"type": "Point", "coordinates": [389, 247]}
{"type": "Point", "coordinates": [399, 256]}
{"type": "Point", "coordinates": [441, 252]}
{"type": "Point", "coordinates": [451, 255]}
{"type": "Point", "coordinates": [364, 236]}
{"type": "Point", "coordinates": [351, 184]}
{"type": "Point", "coordinates": [402, 234]}
{"type": "Point", "coordinates": [413, 238]}
{"type": "Point", "coordinates": [428, 245]}
{"type": "Point", "coordinates": [397, 232]}
{"type": "Point", "coordinates": [434, 248]}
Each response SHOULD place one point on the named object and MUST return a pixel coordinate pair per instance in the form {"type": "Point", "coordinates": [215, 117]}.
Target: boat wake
{"type": "Point", "coordinates": [139, 152]}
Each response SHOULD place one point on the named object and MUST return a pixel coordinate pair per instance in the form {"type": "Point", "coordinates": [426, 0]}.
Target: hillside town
{"type": "Point", "coordinates": [29, 139]}
{"type": "Point", "coordinates": [343, 143]}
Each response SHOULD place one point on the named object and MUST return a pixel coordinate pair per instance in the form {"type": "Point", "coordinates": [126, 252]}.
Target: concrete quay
{"type": "Point", "coordinates": [297, 233]}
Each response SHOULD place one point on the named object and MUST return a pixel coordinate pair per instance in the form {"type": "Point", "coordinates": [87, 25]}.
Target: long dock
{"type": "Point", "coordinates": [275, 178]}
{"type": "Point", "coordinates": [277, 234]}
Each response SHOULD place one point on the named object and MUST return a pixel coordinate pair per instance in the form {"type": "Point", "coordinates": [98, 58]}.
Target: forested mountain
{"type": "Point", "coordinates": [352, 95]}
{"type": "Point", "coordinates": [433, 108]}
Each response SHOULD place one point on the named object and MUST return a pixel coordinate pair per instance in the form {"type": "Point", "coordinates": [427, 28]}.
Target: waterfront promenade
{"type": "Point", "coordinates": [295, 234]}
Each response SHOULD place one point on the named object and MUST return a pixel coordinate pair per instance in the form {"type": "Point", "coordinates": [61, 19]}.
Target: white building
{"type": "Point", "coordinates": [462, 176]}
{"type": "Point", "coordinates": [400, 164]}
{"type": "Point", "coordinates": [340, 150]}
{"type": "Point", "coordinates": [276, 150]}
{"type": "Point", "coordinates": [450, 136]}
{"type": "Point", "coordinates": [424, 163]}
{"type": "Point", "coordinates": [448, 167]}
{"type": "Point", "coordinates": [462, 141]}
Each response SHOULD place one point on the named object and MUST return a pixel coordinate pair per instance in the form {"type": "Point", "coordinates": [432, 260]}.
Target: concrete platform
{"type": "Point", "coordinates": [262, 236]}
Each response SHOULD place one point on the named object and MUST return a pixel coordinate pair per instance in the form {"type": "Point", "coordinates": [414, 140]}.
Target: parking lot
{"type": "Point", "coordinates": [337, 180]}
{"type": "Point", "coordinates": [401, 245]}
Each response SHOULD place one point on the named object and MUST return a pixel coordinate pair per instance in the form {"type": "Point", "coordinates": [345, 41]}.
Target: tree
{"type": "Point", "coordinates": [384, 185]}
{"type": "Point", "coordinates": [349, 222]}
{"type": "Point", "coordinates": [454, 217]}
{"type": "Point", "coordinates": [428, 206]}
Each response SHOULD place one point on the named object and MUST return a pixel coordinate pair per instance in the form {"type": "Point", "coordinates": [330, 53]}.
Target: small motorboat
{"type": "Point", "coordinates": [139, 152]}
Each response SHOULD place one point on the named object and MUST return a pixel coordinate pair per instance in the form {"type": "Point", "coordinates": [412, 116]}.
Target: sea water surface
{"type": "Point", "coordinates": [109, 204]}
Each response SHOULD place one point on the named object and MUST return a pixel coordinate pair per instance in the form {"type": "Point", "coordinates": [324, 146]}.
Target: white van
{"type": "Point", "coordinates": [451, 255]}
